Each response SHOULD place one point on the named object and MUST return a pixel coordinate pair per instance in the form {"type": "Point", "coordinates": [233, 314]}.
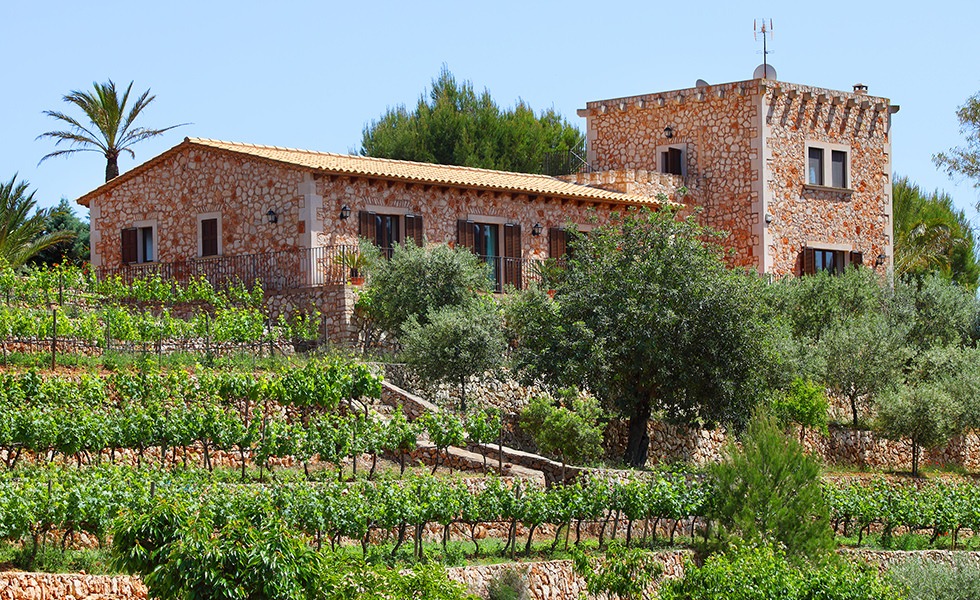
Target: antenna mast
{"type": "Point", "coordinates": [759, 27]}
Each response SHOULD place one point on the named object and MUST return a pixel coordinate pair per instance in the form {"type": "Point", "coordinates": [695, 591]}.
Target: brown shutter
{"type": "Point", "coordinates": [413, 229]}
{"type": "Point", "coordinates": [557, 242]}
{"type": "Point", "coordinates": [464, 235]}
{"type": "Point", "coordinates": [512, 255]}
{"type": "Point", "coordinates": [129, 254]}
{"type": "Point", "coordinates": [366, 228]}
{"type": "Point", "coordinates": [674, 161]}
{"type": "Point", "coordinates": [809, 262]}
{"type": "Point", "coordinates": [856, 259]}
{"type": "Point", "coordinates": [209, 237]}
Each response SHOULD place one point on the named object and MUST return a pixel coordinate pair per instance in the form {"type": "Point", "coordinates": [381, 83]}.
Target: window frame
{"type": "Point", "coordinates": [663, 154]}
{"type": "Point", "coordinates": [200, 234]}
{"type": "Point", "coordinates": [141, 228]}
{"type": "Point", "coordinates": [827, 150]}
{"type": "Point", "coordinates": [844, 256]}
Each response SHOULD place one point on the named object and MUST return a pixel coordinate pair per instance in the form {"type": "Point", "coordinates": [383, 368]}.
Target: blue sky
{"type": "Point", "coordinates": [312, 74]}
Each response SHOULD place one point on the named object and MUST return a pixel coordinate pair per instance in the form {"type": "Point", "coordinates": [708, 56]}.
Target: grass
{"type": "Point", "coordinates": [51, 559]}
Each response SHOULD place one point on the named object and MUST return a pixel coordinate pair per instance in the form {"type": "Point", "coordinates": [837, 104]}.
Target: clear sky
{"type": "Point", "coordinates": [312, 74]}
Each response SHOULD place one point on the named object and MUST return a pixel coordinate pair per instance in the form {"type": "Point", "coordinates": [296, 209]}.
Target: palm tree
{"type": "Point", "coordinates": [110, 131]}
{"type": "Point", "coordinates": [23, 235]}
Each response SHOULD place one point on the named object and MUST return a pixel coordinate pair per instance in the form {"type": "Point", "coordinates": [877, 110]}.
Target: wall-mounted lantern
{"type": "Point", "coordinates": [344, 212]}
{"type": "Point", "coordinates": [271, 216]}
{"type": "Point", "coordinates": [536, 229]}
{"type": "Point", "coordinates": [668, 132]}
{"type": "Point", "coordinates": [882, 259]}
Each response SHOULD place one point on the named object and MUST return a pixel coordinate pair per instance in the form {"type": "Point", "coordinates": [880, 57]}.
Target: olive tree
{"type": "Point", "coordinates": [649, 319]}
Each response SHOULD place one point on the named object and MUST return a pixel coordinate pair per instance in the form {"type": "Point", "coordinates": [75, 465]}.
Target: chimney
{"type": "Point", "coordinates": [860, 89]}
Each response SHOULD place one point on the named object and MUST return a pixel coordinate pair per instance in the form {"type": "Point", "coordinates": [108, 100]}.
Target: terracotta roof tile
{"type": "Point", "coordinates": [347, 164]}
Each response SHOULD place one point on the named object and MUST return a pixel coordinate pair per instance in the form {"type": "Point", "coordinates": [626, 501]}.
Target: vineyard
{"type": "Point", "coordinates": [151, 465]}
{"type": "Point", "coordinates": [69, 309]}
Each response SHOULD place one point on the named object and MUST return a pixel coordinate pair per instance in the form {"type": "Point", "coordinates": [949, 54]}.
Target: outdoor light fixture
{"type": "Point", "coordinates": [271, 216]}
{"type": "Point", "coordinates": [769, 218]}
{"type": "Point", "coordinates": [536, 229]}
{"type": "Point", "coordinates": [668, 132]}
{"type": "Point", "coordinates": [344, 212]}
{"type": "Point", "coordinates": [882, 259]}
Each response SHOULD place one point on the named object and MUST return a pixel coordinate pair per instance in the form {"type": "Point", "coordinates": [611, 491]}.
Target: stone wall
{"type": "Point", "coordinates": [197, 181]}
{"type": "Point", "coordinates": [69, 586]}
{"type": "Point", "coordinates": [856, 218]}
{"type": "Point", "coordinates": [552, 580]}
{"type": "Point", "coordinates": [841, 446]}
{"type": "Point", "coordinates": [334, 302]}
{"type": "Point", "coordinates": [716, 128]}
{"type": "Point", "coordinates": [744, 150]}
{"type": "Point", "coordinates": [884, 559]}
{"type": "Point", "coordinates": [442, 206]}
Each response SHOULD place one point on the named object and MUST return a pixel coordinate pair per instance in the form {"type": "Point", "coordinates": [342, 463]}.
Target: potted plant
{"type": "Point", "coordinates": [355, 262]}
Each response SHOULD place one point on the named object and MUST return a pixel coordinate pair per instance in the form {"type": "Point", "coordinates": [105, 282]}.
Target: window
{"type": "Point", "coordinates": [385, 230]}
{"type": "Point", "coordinates": [209, 234]}
{"type": "Point", "coordinates": [815, 166]}
{"type": "Point", "coordinates": [838, 169]}
{"type": "Point", "coordinates": [138, 245]}
{"type": "Point", "coordinates": [671, 161]}
{"type": "Point", "coordinates": [502, 253]}
{"type": "Point", "coordinates": [830, 260]}
{"type": "Point", "coordinates": [146, 244]}
{"type": "Point", "coordinates": [820, 171]}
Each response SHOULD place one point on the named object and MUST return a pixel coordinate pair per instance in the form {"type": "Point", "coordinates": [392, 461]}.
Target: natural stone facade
{"type": "Point", "coordinates": [744, 161]}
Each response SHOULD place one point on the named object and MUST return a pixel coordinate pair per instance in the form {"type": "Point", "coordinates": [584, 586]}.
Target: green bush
{"type": "Point", "coordinates": [570, 433]}
{"type": "Point", "coordinates": [763, 573]}
{"type": "Point", "coordinates": [927, 580]}
{"type": "Point", "coordinates": [623, 572]}
{"type": "Point", "coordinates": [768, 491]}
{"type": "Point", "coordinates": [508, 584]}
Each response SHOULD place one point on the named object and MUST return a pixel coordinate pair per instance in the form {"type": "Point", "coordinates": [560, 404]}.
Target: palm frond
{"type": "Point", "coordinates": [111, 118]}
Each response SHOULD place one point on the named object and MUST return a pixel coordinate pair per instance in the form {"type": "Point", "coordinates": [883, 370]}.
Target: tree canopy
{"type": "Point", "coordinates": [75, 250]}
{"type": "Point", "coordinates": [110, 129]}
{"type": "Point", "coordinates": [648, 319]}
{"type": "Point", "coordinates": [23, 230]}
{"type": "Point", "coordinates": [965, 160]}
{"type": "Point", "coordinates": [932, 236]}
{"type": "Point", "coordinates": [454, 125]}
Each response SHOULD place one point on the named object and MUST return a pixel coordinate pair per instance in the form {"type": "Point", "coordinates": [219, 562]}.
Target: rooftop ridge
{"type": "Point", "coordinates": [212, 142]}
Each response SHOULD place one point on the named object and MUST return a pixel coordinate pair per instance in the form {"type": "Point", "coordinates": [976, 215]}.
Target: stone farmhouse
{"type": "Point", "coordinates": [799, 177]}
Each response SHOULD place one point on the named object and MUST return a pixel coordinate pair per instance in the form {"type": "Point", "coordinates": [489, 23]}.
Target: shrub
{"type": "Point", "coordinates": [508, 584]}
{"type": "Point", "coordinates": [927, 580]}
{"type": "Point", "coordinates": [763, 573]}
{"type": "Point", "coordinates": [768, 491]}
{"type": "Point", "coordinates": [455, 343]}
{"type": "Point", "coordinates": [572, 434]}
{"type": "Point", "coordinates": [623, 572]}
{"type": "Point", "coordinates": [804, 404]}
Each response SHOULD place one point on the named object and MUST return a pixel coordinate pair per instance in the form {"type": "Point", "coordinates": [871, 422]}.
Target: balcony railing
{"type": "Point", "coordinates": [283, 270]}
{"type": "Point", "coordinates": [306, 267]}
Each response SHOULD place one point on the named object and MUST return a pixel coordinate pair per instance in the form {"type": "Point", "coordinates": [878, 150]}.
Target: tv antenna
{"type": "Point", "coordinates": [760, 27]}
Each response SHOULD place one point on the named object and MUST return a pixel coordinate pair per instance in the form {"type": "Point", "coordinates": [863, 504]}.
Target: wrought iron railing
{"type": "Point", "coordinates": [306, 267]}
{"type": "Point", "coordinates": [564, 163]}
{"type": "Point", "coordinates": [283, 270]}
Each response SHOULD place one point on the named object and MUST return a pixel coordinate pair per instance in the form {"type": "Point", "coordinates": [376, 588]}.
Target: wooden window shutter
{"type": "Point", "coordinates": [809, 262]}
{"type": "Point", "coordinates": [209, 237]}
{"type": "Point", "coordinates": [413, 229]}
{"type": "Point", "coordinates": [856, 259]}
{"type": "Point", "coordinates": [674, 156]}
{"type": "Point", "coordinates": [464, 235]}
{"type": "Point", "coordinates": [366, 228]}
{"type": "Point", "coordinates": [129, 254]}
{"type": "Point", "coordinates": [557, 242]}
{"type": "Point", "coordinates": [512, 255]}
